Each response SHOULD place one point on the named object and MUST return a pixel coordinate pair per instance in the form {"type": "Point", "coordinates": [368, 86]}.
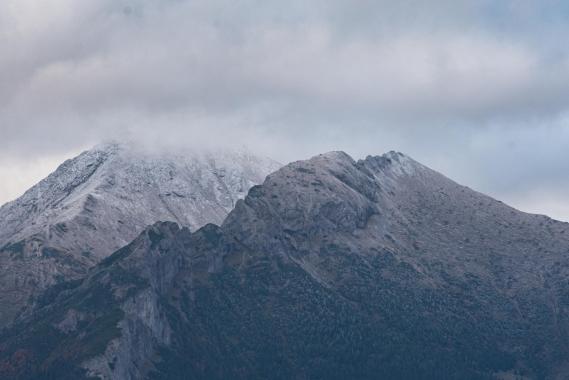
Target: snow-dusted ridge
{"type": "Point", "coordinates": [97, 202]}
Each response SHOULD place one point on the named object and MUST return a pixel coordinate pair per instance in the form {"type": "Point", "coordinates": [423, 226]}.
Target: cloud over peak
{"type": "Point", "coordinates": [446, 81]}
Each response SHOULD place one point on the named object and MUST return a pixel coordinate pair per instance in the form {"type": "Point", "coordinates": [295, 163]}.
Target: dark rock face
{"type": "Point", "coordinates": [332, 269]}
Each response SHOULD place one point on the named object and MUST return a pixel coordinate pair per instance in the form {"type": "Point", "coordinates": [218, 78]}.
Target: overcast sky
{"type": "Point", "coordinates": [478, 90]}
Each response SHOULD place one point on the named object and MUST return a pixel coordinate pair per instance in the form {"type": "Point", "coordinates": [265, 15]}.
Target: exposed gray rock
{"type": "Point", "coordinates": [332, 269]}
{"type": "Point", "coordinates": [99, 201]}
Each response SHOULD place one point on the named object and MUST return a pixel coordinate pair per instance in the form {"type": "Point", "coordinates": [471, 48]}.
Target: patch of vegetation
{"type": "Point", "coordinates": [16, 250]}
{"type": "Point", "coordinates": [273, 320]}
{"type": "Point", "coordinates": [52, 353]}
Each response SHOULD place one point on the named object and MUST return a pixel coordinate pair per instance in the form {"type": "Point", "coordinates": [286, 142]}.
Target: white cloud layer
{"type": "Point", "coordinates": [475, 88]}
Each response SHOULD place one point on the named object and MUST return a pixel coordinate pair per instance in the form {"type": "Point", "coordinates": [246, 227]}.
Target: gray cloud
{"type": "Point", "coordinates": [474, 88]}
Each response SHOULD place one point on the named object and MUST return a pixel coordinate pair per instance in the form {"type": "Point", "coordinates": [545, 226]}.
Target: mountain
{"type": "Point", "coordinates": [331, 269]}
{"type": "Point", "coordinates": [101, 200]}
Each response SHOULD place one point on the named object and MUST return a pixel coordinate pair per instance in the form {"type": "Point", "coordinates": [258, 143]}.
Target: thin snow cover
{"type": "Point", "coordinates": [403, 165]}
{"type": "Point", "coordinates": [102, 199]}
{"type": "Point", "coordinates": [106, 195]}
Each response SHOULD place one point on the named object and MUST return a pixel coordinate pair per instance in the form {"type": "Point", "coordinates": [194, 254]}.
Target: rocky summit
{"type": "Point", "coordinates": [331, 269]}
{"type": "Point", "coordinates": [101, 200]}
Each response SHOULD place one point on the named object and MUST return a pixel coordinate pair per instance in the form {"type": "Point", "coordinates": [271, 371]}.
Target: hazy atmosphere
{"type": "Point", "coordinates": [475, 89]}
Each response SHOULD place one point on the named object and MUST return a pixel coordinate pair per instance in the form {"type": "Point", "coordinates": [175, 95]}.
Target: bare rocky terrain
{"type": "Point", "coordinates": [101, 200]}
{"type": "Point", "coordinates": [331, 269]}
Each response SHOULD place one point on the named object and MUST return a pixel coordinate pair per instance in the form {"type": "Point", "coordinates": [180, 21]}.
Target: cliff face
{"type": "Point", "coordinates": [99, 201]}
{"type": "Point", "coordinates": [333, 268]}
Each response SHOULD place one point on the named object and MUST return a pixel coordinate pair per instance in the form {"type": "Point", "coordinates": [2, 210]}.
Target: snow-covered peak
{"type": "Point", "coordinates": [114, 179]}
{"type": "Point", "coordinates": [392, 164]}
{"type": "Point", "coordinates": [400, 163]}
{"type": "Point", "coordinates": [99, 201]}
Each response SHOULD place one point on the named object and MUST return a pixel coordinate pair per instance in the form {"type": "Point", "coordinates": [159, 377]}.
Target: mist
{"type": "Point", "coordinates": [473, 89]}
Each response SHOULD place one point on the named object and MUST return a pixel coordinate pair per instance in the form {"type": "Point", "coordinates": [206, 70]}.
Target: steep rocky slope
{"type": "Point", "coordinates": [332, 269]}
{"type": "Point", "coordinates": [99, 201]}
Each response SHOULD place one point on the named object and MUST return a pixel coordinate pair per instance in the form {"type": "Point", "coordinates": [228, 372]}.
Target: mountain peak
{"type": "Point", "coordinates": [393, 163]}
{"type": "Point", "coordinates": [102, 199]}
{"type": "Point", "coordinates": [334, 155]}
{"type": "Point", "coordinates": [380, 268]}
